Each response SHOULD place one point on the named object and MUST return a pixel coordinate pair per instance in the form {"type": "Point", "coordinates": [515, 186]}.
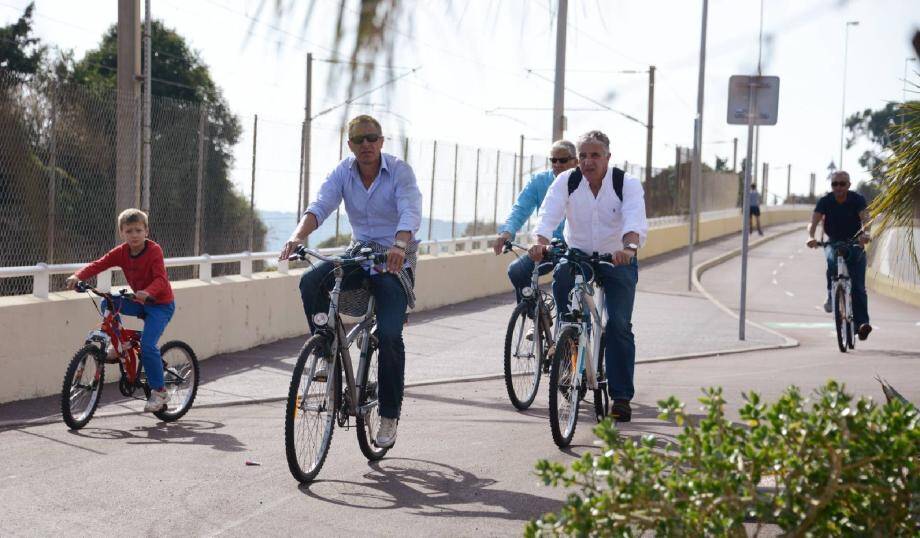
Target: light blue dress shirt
{"type": "Point", "coordinates": [392, 204]}
{"type": "Point", "coordinates": [528, 202]}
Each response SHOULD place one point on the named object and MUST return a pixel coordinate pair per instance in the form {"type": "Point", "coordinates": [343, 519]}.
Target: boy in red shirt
{"type": "Point", "coordinates": [141, 261]}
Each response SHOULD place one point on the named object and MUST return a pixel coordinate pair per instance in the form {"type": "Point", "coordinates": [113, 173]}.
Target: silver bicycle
{"type": "Point", "coordinates": [842, 296]}
{"type": "Point", "coordinates": [317, 399]}
{"type": "Point", "coordinates": [578, 365]}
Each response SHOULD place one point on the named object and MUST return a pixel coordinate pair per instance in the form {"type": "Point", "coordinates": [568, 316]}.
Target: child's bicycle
{"type": "Point", "coordinates": [85, 375]}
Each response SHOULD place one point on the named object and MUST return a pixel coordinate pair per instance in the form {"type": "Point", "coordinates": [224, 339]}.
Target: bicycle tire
{"type": "Point", "coordinates": [314, 349]}
{"type": "Point", "coordinates": [840, 315]}
{"type": "Point", "coordinates": [564, 397]}
{"type": "Point", "coordinates": [368, 425]}
{"type": "Point", "coordinates": [175, 371]}
{"type": "Point", "coordinates": [601, 396]}
{"type": "Point", "coordinates": [522, 378]}
{"type": "Point", "coordinates": [78, 419]}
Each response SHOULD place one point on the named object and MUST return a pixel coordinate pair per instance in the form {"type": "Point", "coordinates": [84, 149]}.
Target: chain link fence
{"type": "Point", "coordinates": [224, 184]}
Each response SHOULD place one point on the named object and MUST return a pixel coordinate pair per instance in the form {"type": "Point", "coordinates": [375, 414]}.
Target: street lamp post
{"type": "Point", "coordinates": [843, 104]}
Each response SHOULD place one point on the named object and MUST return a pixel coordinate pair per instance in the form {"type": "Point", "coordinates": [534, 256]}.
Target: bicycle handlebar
{"type": "Point", "coordinates": [83, 287]}
{"type": "Point", "coordinates": [366, 254]}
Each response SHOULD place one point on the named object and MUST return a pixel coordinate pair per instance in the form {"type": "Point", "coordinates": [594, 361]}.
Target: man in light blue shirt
{"type": "Point", "coordinates": [384, 206]}
{"type": "Point", "coordinates": [562, 158]}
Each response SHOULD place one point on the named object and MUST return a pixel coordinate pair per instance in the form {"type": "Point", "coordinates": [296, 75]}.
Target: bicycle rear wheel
{"type": "Point", "coordinates": [523, 356]}
{"type": "Point", "coordinates": [840, 318]}
{"type": "Point", "coordinates": [180, 377]}
{"type": "Point", "coordinates": [309, 416]}
{"type": "Point", "coordinates": [564, 395]}
{"type": "Point", "coordinates": [82, 386]}
{"type": "Point", "coordinates": [368, 420]}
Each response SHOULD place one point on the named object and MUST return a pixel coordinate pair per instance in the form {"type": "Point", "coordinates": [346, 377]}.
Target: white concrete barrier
{"type": "Point", "coordinates": [231, 313]}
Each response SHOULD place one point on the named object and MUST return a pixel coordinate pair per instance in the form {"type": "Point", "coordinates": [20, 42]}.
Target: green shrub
{"type": "Point", "coordinates": [842, 467]}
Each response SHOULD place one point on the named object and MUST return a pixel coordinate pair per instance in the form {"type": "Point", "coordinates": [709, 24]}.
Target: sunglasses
{"type": "Point", "coordinates": [358, 140]}
{"type": "Point", "coordinates": [561, 160]}
{"type": "Point", "coordinates": [839, 183]}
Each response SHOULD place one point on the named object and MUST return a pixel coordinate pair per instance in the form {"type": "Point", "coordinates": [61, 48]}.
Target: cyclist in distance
{"type": "Point", "coordinates": [384, 204]}
{"type": "Point", "coordinates": [604, 213]}
{"type": "Point", "coordinates": [141, 261]}
{"type": "Point", "coordinates": [844, 215]}
{"type": "Point", "coordinates": [562, 158]}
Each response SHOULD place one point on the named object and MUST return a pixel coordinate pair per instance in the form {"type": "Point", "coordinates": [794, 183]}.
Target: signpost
{"type": "Point", "coordinates": [752, 100]}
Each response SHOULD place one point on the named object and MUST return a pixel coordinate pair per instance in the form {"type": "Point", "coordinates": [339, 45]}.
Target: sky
{"type": "Point", "coordinates": [483, 67]}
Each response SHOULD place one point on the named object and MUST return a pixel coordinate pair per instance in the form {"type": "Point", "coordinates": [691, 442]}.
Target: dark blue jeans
{"type": "Point", "coordinates": [156, 317]}
{"type": "Point", "coordinates": [520, 272]}
{"type": "Point", "coordinates": [391, 302]}
{"type": "Point", "coordinates": [856, 266]}
{"type": "Point", "coordinates": [619, 286]}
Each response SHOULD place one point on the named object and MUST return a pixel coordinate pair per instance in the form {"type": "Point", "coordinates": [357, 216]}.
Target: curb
{"type": "Point", "coordinates": [697, 271]}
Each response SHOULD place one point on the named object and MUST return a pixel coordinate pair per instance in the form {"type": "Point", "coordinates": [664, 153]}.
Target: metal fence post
{"type": "Point", "coordinates": [199, 200]}
{"type": "Point", "coordinates": [513, 182]}
{"type": "Point", "coordinates": [52, 182]}
{"type": "Point", "coordinates": [498, 162]}
{"type": "Point", "coordinates": [338, 210]}
{"type": "Point", "coordinates": [252, 190]}
{"type": "Point", "coordinates": [434, 160]}
{"type": "Point", "coordinates": [453, 212]}
{"type": "Point", "coordinates": [476, 198]}
{"type": "Point", "coordinates": [303, 126]}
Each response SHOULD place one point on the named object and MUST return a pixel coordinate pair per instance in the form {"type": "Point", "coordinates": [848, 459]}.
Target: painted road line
{"type": "Point", "coordinates": [775, 283]}
{"type": "Point", "coordinates": [790, 294]}
{"type": "Point", "coordinates": [782, 264]}
{"type": "Point", "coordinates": [800, 324]}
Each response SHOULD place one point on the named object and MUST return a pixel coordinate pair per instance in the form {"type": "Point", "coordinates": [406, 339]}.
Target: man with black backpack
{"type": "Point", "coordinates": [604, 211]}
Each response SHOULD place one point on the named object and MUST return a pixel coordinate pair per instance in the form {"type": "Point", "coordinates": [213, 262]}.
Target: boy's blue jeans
{"type": "Point", "coordinates": [619, 286]}
{"type": "Point", "coordinates": [390, 304]}
{"type": "Point", "coordinates": [156, 317]}
{"type": "Point", "coordinates": [856, 267]}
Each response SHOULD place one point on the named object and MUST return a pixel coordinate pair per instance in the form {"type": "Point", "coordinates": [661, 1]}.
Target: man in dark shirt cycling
{"type": "Point", "coordinates": [844, 214]}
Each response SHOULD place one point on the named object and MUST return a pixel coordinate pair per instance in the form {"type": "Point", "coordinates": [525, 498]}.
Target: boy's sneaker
{"type": "Point", "coordinates": [319, 374]}
{"type": "Point", "coordinates": [621, 411]}
{"type": "Point", "coordinates": [864, 331]}
{"type": "Point", "coordinates": [386, 436]}
{"type": "Point", "coordinates": [827, 305]}
{"type": "Point", "coordinates": [157, 401]}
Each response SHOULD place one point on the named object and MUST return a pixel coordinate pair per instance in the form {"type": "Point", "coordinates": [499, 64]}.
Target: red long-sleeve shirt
{"type": "Point", "coordinates": [144, 272]}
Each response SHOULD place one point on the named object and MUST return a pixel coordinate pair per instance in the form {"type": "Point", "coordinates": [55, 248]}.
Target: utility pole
{"type": "Point", "coordinates": [697, 146]}
{"type": "Point", "coordinates": [735, 155]}
{"type": "Point", "coordinates": [788, 181]}
{"type": "Point", "coordinates": [307, 133]}
{"type": "Point", "coordinates": [127, 164]}
{"type": "Point", "coordinates": [811, 185]}
{"type": "Point", "coordinates": [651, 116]}
{"type": "Point", "coordinates": [559, 90]}
{"type": "Point", "coordinates": [148, 81]}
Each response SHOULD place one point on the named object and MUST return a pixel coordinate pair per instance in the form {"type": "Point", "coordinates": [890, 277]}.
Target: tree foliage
{"type": "Point", "coordinates": [832, 466]}
{"type": "Point", "coordinates": [21, 52]}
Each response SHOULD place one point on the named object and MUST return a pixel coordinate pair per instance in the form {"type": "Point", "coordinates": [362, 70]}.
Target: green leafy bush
{"type": "Point", "coordinates": [840, 468]}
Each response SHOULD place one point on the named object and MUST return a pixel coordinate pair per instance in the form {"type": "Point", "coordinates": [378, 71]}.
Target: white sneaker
{"type": "Point", "coordinates": [529, 335]}
{"type": "Point", "coordinates": [386, 436]}
{"type": "Point", "coordinates": [319, 374]}
{"type": "Point", "coordinates": [827, 305]}
{"type": "Point", "coordinates": [157, 401]}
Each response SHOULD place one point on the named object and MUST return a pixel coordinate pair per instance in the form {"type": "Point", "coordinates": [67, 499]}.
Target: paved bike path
{"type": "Point", "coordinates": [464, 341]}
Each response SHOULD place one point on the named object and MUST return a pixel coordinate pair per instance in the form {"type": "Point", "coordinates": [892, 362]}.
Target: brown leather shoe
{"type": "Point", "coordinates": [621, 411]}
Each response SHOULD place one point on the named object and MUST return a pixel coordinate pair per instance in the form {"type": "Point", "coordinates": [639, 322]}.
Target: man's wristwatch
{"type": "Point", "coordinates": [399, 243]}
{"type": "Point", "coordinates": [633, 247]}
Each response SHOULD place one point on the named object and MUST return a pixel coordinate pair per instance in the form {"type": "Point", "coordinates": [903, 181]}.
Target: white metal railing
{"type": "Point", "coordinates": [41, 273]}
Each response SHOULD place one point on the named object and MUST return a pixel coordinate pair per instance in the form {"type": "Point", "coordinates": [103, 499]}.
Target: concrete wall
{"type": "Point", "coordinates": [39, 336]}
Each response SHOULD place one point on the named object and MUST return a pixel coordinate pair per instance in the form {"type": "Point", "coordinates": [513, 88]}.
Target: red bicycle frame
{"type": "Point", "coordinates": [126, 342]}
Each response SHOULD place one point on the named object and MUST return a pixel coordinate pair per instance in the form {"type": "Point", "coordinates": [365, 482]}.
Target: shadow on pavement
{"type": "Point", "coordinates": [431, 489]}
{"type": "Point", "coordinates": [188, 432]}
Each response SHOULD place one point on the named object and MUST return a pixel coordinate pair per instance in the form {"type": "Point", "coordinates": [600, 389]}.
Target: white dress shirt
{"type": "Point", "coordinates": [594, 224]}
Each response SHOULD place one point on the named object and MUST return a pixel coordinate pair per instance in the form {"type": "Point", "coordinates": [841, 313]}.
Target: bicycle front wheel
{"type": "Point", "coordinates": [82, 386]}
{"type": "Point", "coordinates": [523, 355]}
{"type": "Point", "coordinates": [310, 412]}
{"type": "Point", "coordinates": [564, 393]}
{"type": "Point", "coordinates": [180, 378]}
{"type": "Point", "coordinates": [840, 318]}
{"type": "Point", "coordinates": [368, 416]}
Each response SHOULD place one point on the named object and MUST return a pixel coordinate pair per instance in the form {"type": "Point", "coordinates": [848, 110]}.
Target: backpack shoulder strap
{"type": "Point", "coordinates": [618, 176]}
{"type": "Point", "coordinates": [574, 180]}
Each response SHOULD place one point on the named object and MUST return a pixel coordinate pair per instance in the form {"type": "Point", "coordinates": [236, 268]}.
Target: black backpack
{"type": "Point", "coordinates": [618, 175]}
